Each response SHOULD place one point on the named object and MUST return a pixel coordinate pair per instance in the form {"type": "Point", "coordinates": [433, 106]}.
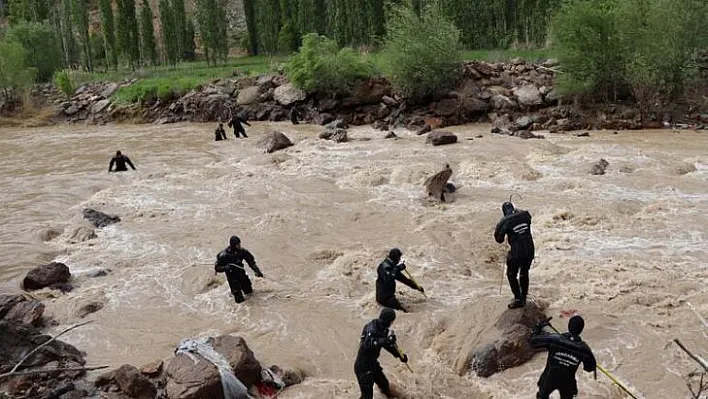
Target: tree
{"type": "Point", "coordinates": [213, 23]}
{"type": "Point", "coordinates": [149, 50]}
{"type": "Point", "coordinates": [250, 13]}
{"type": "Point", "coordinates": [180, 17]}
{"type": "Point", "coordinates": [14, 76]}
{"type": "Point", "coordinates": [169, 37]}
{"type": "Point", "coordinates": [28, 11]}
{"type": "Point", "coordinates": [80, 19]}
{"type": "Point", "coordinates": [421, 55]}
{"type": "Point", "coordinates": [66, 28]}
{"type": "Point", "coordinates": [42, 50]}
{"type": "Point", "coordinates": [109, 33]}
{"type": "Point", "coordinates": [128, 37]}
{"type": "Point", "coordinates": [189, 47]}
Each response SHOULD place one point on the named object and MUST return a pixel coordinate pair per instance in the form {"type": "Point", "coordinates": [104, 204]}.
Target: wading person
{"type": "Point", "coordinates": [236, 122]}
{"type": "Point", "coordinates": [219, 133]}
{"type": "Point", "coordinates": [230, 261]}
{"type": "Point", "coordinates": [367, 368]}
{"type": "Point", "coordinates": [387, 273]}
{"type": "Point", "coordinates": [565, 352]}
{"type": "Point", "coordinates": [119, 161]}
{"type": "Point", "coordinates": [516, 225]}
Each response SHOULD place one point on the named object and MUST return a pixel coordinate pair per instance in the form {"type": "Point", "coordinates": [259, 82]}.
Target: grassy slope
{"type": "Point", "coordinates": [165, 81]}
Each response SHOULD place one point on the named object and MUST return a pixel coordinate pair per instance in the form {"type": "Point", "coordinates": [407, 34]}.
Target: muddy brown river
{"type": "Point", "coordinates": [626, 250]}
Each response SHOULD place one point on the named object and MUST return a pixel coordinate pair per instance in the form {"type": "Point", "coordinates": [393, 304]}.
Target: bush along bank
{"type": "Point", "coordinates": [501, 93]}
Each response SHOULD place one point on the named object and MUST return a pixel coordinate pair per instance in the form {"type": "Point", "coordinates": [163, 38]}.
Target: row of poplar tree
{"type": "Point", "coordinates": [125, 34]}
{"type": "Point", "coordinates": [278, 25]}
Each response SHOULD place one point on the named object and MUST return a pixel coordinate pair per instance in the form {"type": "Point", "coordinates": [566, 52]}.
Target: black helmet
{"type": "Point", "coordinates": [395, 254]}
{"type": "Point", "coordinates": [508, 208]}
{"type": "Point", "coordinates": [576, 325]}
{"type": "Point", "coordinates": [387, 316]}
{"type": "Point", "coordinates": [234, 240]}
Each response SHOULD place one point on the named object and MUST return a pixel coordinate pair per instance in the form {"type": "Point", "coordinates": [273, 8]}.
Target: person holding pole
{"type": "Point", "coordinates": [565, 353]}
{"type": "Point", "coordinates": [516, 226]}
{"type": "Point", "coordinates": [387, 273]}
{"type": "Point", "coordinates": [374, 336]}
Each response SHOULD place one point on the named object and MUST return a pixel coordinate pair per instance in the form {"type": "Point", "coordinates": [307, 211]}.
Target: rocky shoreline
{"type": "Point", "coordinates": [516, 97]}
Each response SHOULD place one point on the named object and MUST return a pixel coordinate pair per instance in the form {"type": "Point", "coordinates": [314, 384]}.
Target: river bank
{"type": "Point", "coordinates": [486, 92]}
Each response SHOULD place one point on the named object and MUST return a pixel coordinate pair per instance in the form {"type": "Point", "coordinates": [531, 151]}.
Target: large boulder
{"type": "Point", "coordinates": [435, 185]}
{"type": "Point", "coordinates": [99, 219]}
{"type": "Point", "coordinates": [512, 347]}
{"type": "Point", "coordinates": [21, 309]}
{"type": "Point", "coordinates": [500, 102]}
{"type": "Point", "coordinates": [249, 95]}
{"type": "Point", "coordinates": [274, 141]}
{"type": "Point", "coordinates": [367, 93]}
{"type": "Point", "coordinates": [133, 383]}
{"type": "Point", "coordinates": [46, 275]}
{"type": "Point", "coordinates": [440, 137]}
{"type": "Point", "coordinates": [99, 106]}
{"type": "Point", "coordinates": [288, 94]}
{"type": "Point", "coordinates": [528, 96]}
{"type": "Point", "coordinates": [196, 378]}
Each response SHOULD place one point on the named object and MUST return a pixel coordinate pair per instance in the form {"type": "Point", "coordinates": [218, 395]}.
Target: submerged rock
{"type": "Point", "coordinates": [100, 219]}
{"type": "Point", "coordinates": [599, 167]}
{"type": "Point", "coordinates": [439, 137]}
{"type": "Point", "coordinates": [274, 141]}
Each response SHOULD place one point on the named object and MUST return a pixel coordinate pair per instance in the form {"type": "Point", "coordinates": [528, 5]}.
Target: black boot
{"type": "Point", "coordinates": [514, 285]}
{"type": "Point", "coordinates": [524, 280]}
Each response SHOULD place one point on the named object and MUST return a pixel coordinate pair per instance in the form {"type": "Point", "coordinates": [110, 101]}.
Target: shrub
{"type": "Point", "coordinates": [38, 40]}
{"type": "Point", "coordinates": [421, 54]}
{"type": "Point", "coordinates": [15, 77]}
{"type": "Point", "coordinates": [320, 66]}
{"type": "Point", "coordinates": [149, 90]}
{"type": "Point", "coordinates": [64, 80]}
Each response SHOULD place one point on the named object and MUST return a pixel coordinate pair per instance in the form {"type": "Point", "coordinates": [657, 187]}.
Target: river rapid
{"type": "Point", "coordinates": [626, 250]}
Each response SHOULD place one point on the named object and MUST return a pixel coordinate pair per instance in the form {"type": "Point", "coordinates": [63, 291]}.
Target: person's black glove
{"type": "Point", "coordinates": [421, 289]}
{"type": "Point", "coordinates": [401, 266]}
{"type": "Point", "coordinates": [259, 274]}
{"type": "Point", "coordinates": [404, 358]}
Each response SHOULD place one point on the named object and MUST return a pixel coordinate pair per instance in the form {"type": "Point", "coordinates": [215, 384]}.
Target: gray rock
{"type": "Point", "coordinates": [528, 95]}
{"type": "Point", "coordinates": [440, 137]}
{"type": "Point", "coordinates": [288, 94]}
{"type": "Point", "coordinates": [551, 62]}
{"type": "Point", "coordinates": [391, 135]}
{"type": "Point", "coordinates": [109, 90]}
{"type": "Point", "coordinates": [274, 141]}
{"type": "Point", "coordinates": [389, 101]}
{"type": "Point", "coordinates": [132, 383]}
{"type": "Point", "coordinates": [337, 135]}
{"type": "Point", "coordinates": [501, 102]}
{"type": "Point", "coordinates": [524, 122]}
{"type": "Point", "coordinates": [337, 124]}
{"type": "Point", "coordinates": [249, 95]}
{"type": "Point", "coordinates": [100, 106]}
{"type": "Point", "coordinates": [599, 167]}
{"type": "Point", "coordinates": [425, 129]}
{"type": "Point", "coordinates": [71, 110]}
{"type": "Point", "coordinates": [553, 96]}
{"type": "Point", "coordinates": [99, 219]}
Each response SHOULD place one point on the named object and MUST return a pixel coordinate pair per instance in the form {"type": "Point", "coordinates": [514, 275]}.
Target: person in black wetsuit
{"type": "Point", "coordinates": [367, 368]}
{"type": "Point", "coordinates": [219, 133]}
{"type": "Point", "coordinates": [230, 261]}
{"type": "Point", "coordinates": [119, 161]}
{"type": "Point", "coordinates": [516, 225]}
{"type": "Point", "coordinates": [236, 122]}
{"type": "Point", "coordinates": [565, 352]}
{"type": "Point", "coordinates": [388, 272]}
{"type": "Point", "coordinates": [295, 116]}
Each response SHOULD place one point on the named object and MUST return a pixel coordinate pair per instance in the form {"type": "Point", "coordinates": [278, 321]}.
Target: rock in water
{"type": "Point", "coordinates": [425, 129]}
{"type": "Point", "coordinates": [599, 168]}
{"type": "Point", "coordinates": [20, 309]}
{"type": "Point", "coordinates": [199, 378]}
{"type": "Point", "coordinates": [391, 135]}
{"type": "Point", "coordinates": [288, 94]}
{"type": "Point", "coordinates": [524, 123]}
{"type": "Point", "coordinates": [435, 185]}
{"type": "Point", "coordinates": [132, 383]}
{"type": "Point", "coordinates": [46, 275]}
{"type": "Point", "coordinates": [512, 348]}
{"type": "Point", "coordinates": [337, 124]}
{"type": "Point", "coordinates": [439, 137]}
{"type": "Point", "coordinates": [100, 219]}
{"type": "Point", "coordinates": [274, 141]}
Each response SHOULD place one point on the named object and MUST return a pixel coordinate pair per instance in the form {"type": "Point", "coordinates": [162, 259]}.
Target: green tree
{"type": "Point", "coordinates": [212, 21]}
{"type": "Point", "coordinates": [268, 22]}
{"type": "Point", "coordinates": [189, 46]}
{"type": "Point", "coordinates": [28, 11]}
{"type": "Point", "coordinates": [421, 55]}
{"type": "Point", "coordinates": [169, 37]}
{"type": "Point", "coordinates": [250, 13]}
{"type": "Point", "coordinates": [66, 29]}
{"type": "Point", "coordinates": [128, 37]}
{"type": "Point", "coordinates": [80, 18]}
{"type": "Point", "coordinates": [42, 50]}
{"type": "Point", "coordinates": [14, 75]}
{"type": "Point", "coordinates": [147, 36]}
{"type": "Point", "coordinates": [180, 17]}
{"type": "Point", "coordinates": [109, 33]}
